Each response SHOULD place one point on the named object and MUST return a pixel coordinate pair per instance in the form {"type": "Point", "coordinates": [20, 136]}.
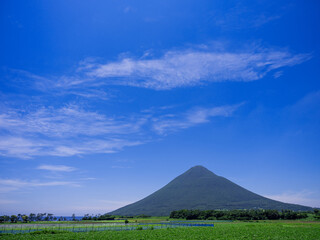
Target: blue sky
{"type": "Point", "coordinates": [104, 102]}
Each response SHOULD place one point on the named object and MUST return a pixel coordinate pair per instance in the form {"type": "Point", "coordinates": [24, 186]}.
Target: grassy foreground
{"type": "Point", "coordinates": [236, 230]}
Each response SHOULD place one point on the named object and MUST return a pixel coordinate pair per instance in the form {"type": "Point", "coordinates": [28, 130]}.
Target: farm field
{"type": "Point", "coordinates": [234, 230]}
{"type": "Point", "coordinates": [98, 226]}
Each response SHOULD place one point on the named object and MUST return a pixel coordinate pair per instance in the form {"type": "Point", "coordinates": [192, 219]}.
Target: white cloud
{"type": "Point", "coordinates": [65, 131]}
{"type": "Point", "coordinates": [8, 185]}
{"type": "Point", "coordinates": [241, 16]}
{"type": "Point", "coordinates": [70, 131]}
{"type": "Point", "coordinates": [8, 201]}
{"type": "Point", "coordinates": [5, 189]}
{"type": "Point", "coordinates": [20, 147]}
{"type": "Point", "coordinates": [263, 19]}
{"type": "Point", "coordinates": [93, 146]}
{"type": "Point", "coordinates": [194, 66]}
{"type": "Point", "coordinates": [309, 103]}
{"type": "Point", "coordinates": [127, 9]}
{"type": "Point", "coordinates": [95, 94]}
{"type": "Point", "coordinates": [189, 67]}
{"type": "Point", "coordinates": [120, 167]}
{"type": "Point", "coordinates": [172, 123]}
{"type": "Point", "coordinates": [27, 148]}
{"type": "Point", "coordinates": [305, 197]}
{"type": "Point", "coordinates": [67, 121]}
{"type": "Point", "coordinates": [57, 168]}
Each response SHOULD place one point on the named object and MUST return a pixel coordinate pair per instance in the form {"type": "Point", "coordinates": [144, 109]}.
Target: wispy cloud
{"type": "Point", "coordinates": [70, 131]}
{"type": "Point", "coordinates": [36, 146]}
{"type": "Point", "coordinates": [87, 93]}
{"type": "Point", "coordinates": [56, 168]}
{"type": "Point", "coordinates": [305, 197]}
{"type": "Point", "coordinates": [88, 178]}
{"type": "Point", "coordinates": [237, 19]}
{"type": "Point", "coordinates": [59, 86]}
{"type": "Point", "coordinates": [67, 121]}
{"type": "Point", "coordinates": [8, 185]}
{"type": "Point", "coordinates": [189, 68]}
{"type": "Point", "coordinates": [243, 16]}
{"type": "Point", "coordinates": [8, 201]}
{"type": "Point", "coordinates": [120, 167]}
{"type": "Point", "coordinates": [65, 131]}
{"type": "Point", "coordinates": [19, 146]}
{"type": "Point", "coordinates": [171, 123]}
{"type": "Point", "coordinates": [263, 19]}
{"type": "Point", "coordinates": [309, 103]}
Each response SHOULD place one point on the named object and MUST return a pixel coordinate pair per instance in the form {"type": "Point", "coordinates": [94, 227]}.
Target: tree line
{"type": "Point", "coordinates": [257, 214]}
{"type": "Point", "coordinates": [110, 217]}
{"type": "Point", "coordinates": [32, 217]}
{"type": "Point", "coordinates": [98, 217]}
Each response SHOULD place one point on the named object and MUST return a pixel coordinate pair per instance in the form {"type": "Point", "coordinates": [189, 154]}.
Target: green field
{"type": "Point", "coordinates": [235, 230]}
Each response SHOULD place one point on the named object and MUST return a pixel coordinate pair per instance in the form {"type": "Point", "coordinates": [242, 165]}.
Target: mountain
{"type": "Point", "coordinates": [199, 188]}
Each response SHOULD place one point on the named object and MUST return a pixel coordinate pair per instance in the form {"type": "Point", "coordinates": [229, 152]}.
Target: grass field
{"type": "Point", "coordinates": [236, 230]}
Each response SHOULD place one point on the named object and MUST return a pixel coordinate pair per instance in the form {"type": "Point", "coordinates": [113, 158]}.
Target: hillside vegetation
{"type": "Point", "coordinates": [199, 188]}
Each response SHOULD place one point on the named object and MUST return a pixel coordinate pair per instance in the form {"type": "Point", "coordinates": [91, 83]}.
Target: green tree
{"type": "Point", "coordinates": [316, 213]}
{"type": "Point", "coordinates": [14, 218]}
{"type": "Point", "coordinates": [40, 216]}
{"type": "Point", "coordinates": [32, 217]}
{"type": "Point", "coordinates": [25, 218]}
{"type": "Point", "coordinates": [50, 216]}
{"type": "Point", "coordinates": [6, 218]}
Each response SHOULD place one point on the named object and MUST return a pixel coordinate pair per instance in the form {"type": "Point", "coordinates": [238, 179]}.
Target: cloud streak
{"type": "Point", "coordinates": [67, 121]}
{"type": "Point", "coordinates": [23, 147]}
{"type": "Point", "coordinates": [189, 68]}
{"type": "Point", "coordinates": [8, 185]}
{"type": "Point", "coordinates": [171, 123]}
{"type": "Point", "coordinates": [70, 131]}
{"type": "Point", "coordinates": [56, 168]}
{"type": "Point", "coordinates": [194, 66]}
{"type": "Point", "coordinates": [65, 131]}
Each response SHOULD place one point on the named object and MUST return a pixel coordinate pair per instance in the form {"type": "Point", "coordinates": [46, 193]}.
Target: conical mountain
{"type": "Point", "coordinates": [199, 188]}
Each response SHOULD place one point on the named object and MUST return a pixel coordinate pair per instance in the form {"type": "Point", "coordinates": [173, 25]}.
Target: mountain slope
{"type": "Point", "coordinates": [199, 188]}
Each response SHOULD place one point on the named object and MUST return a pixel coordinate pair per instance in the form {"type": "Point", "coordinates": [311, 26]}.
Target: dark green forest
{"type": "Point", "coordinates": [260, 214]}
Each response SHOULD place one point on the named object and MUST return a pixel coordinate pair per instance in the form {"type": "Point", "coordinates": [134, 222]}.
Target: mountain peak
{"type": "Point", "coordinates": [199, 167]}
{"type": "Point", "coordinates": [199, 188]}
{"type": "Point", "coordinates": [199, 170]}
